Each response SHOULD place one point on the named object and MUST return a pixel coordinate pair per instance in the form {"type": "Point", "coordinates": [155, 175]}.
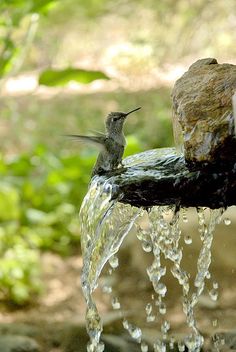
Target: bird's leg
{"type": "Point", "coordinates": [121, 166]}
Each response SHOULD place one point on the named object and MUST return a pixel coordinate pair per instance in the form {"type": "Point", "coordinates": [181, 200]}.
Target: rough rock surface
{"type": "Point", "coordinates": [161, 177]}
{"type": "Point", "coordinates": [202, 104]}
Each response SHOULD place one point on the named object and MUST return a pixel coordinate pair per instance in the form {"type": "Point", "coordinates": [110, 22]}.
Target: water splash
{"type": "Point", "coordinates": [104, 224]}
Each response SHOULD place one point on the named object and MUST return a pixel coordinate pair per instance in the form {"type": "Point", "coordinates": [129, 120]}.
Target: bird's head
{"type": "Point", "coordinates": [115, 121]}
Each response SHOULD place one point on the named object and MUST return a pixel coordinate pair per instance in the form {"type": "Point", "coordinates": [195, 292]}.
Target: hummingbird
{"type": "Point", "coordinates": [112, 143]}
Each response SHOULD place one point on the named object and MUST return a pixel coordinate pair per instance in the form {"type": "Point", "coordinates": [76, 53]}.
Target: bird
{"type": "Point", "coordinates": [112, 143]}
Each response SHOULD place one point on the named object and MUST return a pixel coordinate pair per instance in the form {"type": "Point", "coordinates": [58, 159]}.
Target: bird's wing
{"type": "Point", "coordinates": [99, 141]}
{"type": "Point", "coordinates": [97, 133]}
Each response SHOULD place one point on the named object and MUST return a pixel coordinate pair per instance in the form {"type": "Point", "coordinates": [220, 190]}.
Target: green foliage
{"type": "Point", "coordinates": [53, 78]}
{"type": "Point", "coordinates": [19, 273]}
{"type": "Point", "coordinates": [9, 52]}
{"type": "Point", "coordinates": [133, 145]}
{"type": "Point", "coordinates": [24, 7]}
{"type": "Point", "coordinates": [40, 195]}
{"type": "Point", "coordinates": [13, 14]}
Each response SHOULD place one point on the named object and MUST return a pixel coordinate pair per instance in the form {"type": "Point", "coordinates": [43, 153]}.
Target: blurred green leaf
{"type": "Point", "coordinates": [9, 202]}
{"type": "Point", "coordinates": [42, 6]}
{"type": "Point", "coordinates": [133, 145]}
{"type": "Point", "coordinates": [9, 52]}
{"type": "Point", "coordinates": [54, 78]}
{"type": "Point", "coordinates": [24, 7]}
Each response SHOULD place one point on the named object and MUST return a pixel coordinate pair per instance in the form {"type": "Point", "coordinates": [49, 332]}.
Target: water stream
{"type": "Point", "coordinates": [105, 222]}
{"type": "Point", "coordinates": [104, 225]}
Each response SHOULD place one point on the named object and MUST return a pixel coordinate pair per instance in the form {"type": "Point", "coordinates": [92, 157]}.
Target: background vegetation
{"type": "Point", "coordinates": [63, 67]}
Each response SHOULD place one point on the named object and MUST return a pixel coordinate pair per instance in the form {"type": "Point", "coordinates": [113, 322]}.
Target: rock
{"type": "Point", "coordinates": [202, 104]}
{"type": "Point", "coordinates": [14, 343]}
{"type": "Point", "coordinates": [161, 177]}
{"type": "Point", "coordinates": [234, 109]}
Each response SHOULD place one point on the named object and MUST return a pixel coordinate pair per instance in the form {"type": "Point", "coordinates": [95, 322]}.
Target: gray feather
{"type": "Point", "coordinates": [98, 141]}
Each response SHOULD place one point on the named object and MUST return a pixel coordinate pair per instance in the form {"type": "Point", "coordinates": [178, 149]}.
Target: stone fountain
{"type": "Point", "coordinates": [200, 173]}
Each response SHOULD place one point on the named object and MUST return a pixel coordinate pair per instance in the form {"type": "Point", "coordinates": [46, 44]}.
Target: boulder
{"type": "Point", "coordinates": [202, 107]}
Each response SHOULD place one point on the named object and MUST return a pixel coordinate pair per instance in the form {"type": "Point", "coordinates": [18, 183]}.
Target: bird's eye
{"type": "Point", "coordinates": [115, 118]}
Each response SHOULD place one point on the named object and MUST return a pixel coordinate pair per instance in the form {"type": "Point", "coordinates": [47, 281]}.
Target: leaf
{"type": "Point", "coordinates": [52, 78]}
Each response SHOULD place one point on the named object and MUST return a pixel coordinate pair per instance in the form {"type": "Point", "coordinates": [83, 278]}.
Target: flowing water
{"type": "Point", "coordinates": [104, 224]}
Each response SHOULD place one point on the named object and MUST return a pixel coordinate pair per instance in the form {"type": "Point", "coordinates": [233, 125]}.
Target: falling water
{"type": "Point", "coordinates": [104, 224]}
{"type": "Point", "coordinates": [164, 236]}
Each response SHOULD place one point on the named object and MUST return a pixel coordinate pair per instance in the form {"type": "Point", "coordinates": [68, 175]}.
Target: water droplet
{"type": "Point", "coordinates": [215, 285]}
{"type": "Point", "coordinates": [208, 275]}
{"type": "Point", "coordinates": [218, 341]}
{"type": "Point", "coordinates": [213, 294]}
{"type": "Point", "coordinates": [148, 308]}
{"type": "Point", "coordinates": [222, 341]}
{"type": "Point", "coordinates": [161, 289]}
{"type": "Point", "coordinates": [188, 239]}
{"type": "Point", "coordinates": [115, 303]}
{"type": "Point", "coordinates": [114, 262]}
{"type": "Point", "coordinates": [134, 331]}
{"type": "Point", "coordinates": [147, 246]}
{"type": "Point", "coordinates": [194, 342]}
{"type": "Point", "coordinates": [159, 346]}
{"type": "Point", "coordinates": [150, 318]}
{"type": "Point", "coordinates": [144, 347]}
{"type": "Point", "coordinates": [181, 346]}
{"type": "Point", "coordinates": [165, 327]}
{"type": "Point", "coordinates": [215, 323]}
{"type": "Point", "coordinates": [162, 308]}
{"type": "Point", "coordinates": [227, 221]}
{"type": "Point", "coordinates": [107, 289]}
{"type": "Point", "coordinates": [172, 343]}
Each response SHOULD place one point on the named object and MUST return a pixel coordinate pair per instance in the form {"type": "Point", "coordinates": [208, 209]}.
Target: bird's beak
{"type": "Point", "coordinates": [130, 112]}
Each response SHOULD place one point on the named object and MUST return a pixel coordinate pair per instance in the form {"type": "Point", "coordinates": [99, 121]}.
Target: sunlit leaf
{"type": "Point", "coordinates": [54, 78]}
